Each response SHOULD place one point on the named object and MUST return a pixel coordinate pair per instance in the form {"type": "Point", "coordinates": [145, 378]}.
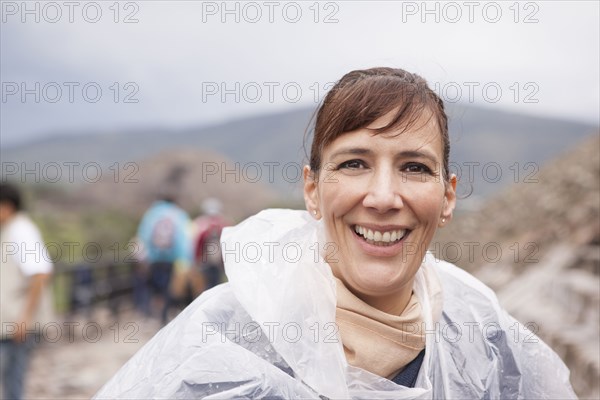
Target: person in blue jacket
{"type": "Point", "coordinates": [165, 233]}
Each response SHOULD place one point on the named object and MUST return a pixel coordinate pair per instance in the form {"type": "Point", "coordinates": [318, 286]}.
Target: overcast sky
{"type": "Point", "coordinates": [176, 64]}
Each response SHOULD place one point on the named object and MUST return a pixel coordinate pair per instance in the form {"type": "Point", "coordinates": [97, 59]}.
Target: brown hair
{"type": "Point", "coordinates": [10, 194]}
{"type": "Point", "coordinates": [363, 96]}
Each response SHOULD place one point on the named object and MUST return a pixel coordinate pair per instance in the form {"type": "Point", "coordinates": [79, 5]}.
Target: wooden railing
{"type": "Point", "coordinates": [81, 287]}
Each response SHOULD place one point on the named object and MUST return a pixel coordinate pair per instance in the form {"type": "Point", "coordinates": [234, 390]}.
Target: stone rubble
{"type": "Point", "coordinates": [548, 275]}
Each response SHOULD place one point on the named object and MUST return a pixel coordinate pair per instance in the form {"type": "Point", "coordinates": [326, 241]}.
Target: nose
{"type": "Point", "coordinates": [383, 192]}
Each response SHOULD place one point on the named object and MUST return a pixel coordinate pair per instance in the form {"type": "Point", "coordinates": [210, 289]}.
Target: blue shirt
{"type": "Point", "coordinates": [408, 376]}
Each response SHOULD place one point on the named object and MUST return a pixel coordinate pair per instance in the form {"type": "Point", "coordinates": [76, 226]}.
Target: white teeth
{"type": "Point", "coordinates": [381, 237]}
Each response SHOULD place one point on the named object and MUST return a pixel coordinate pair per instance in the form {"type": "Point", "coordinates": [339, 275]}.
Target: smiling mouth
{"type": "Point", "coordinates": [379, 238]}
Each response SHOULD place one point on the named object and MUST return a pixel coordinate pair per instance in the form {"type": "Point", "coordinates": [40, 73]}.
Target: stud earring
{"type": "Point", "coordinates": [314, 212]}
{"type": "Point", "coordinates": [443, 220]}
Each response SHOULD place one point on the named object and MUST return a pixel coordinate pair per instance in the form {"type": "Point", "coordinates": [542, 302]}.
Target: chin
{"type": "Point", "coordinates": [379, 280]}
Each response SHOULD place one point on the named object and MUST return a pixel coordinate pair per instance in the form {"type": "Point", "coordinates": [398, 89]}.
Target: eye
{"type": "Point", "coordinates": [416, 168]}
{"type": "Point", "coordinates": [352, 164]}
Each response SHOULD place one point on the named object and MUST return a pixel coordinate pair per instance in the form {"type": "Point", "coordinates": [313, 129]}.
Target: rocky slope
{"type": "Point", "coordinates": [537, 243]}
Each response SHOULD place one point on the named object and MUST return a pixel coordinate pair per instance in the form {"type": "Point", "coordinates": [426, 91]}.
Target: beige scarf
{"type": "Point", "coordinates": [384, 343]}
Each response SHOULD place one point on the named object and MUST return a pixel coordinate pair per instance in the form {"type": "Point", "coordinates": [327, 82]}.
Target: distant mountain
{"type": "Point", "coordinates": [493, 146]}
{"type": "Point", "coordinates": [180, 173]}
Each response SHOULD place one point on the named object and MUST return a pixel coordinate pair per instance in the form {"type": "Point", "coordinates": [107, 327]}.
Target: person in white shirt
{"type": "Point", "coordinates": [25, 306]}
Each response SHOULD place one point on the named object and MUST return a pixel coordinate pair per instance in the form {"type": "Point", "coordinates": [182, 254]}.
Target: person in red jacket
{"type": "Point", "coordinates": [207, 249]}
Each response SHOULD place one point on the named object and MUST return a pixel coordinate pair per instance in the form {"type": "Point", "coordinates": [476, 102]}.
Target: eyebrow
{"type": "Point", "coordinates": [402, 154]}
{"type": "Point", "coordinates": [351, 151]}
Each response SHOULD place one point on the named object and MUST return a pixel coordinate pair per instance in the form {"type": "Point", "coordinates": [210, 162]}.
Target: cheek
{"type": "Point", "coordinates": [429, 204]}
{"type": "Point", "coordinates": [337, 198]}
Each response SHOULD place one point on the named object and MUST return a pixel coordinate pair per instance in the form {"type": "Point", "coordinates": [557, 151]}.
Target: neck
{"type": "Point", "coordinates": [394, 303]}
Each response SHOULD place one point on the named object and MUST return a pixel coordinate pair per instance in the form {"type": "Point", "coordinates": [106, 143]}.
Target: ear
{"type": "Point", "coordinates": [311, 194]}
{"type": "Point", "coordinates": [449, 201]}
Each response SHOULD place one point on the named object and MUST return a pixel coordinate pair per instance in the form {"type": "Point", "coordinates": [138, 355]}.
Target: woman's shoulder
{"type": "Point", "coordinates": [498, 348]}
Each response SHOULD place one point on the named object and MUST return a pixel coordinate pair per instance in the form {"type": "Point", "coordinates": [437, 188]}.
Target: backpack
{"type": "Point", "coordinates": [163, 234]}
{"type": "Point", "coordinates": [208, 246]}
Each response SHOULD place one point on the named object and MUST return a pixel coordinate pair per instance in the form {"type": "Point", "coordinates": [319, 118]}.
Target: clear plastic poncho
{"type": "Point", "coordinates": [270, 333]}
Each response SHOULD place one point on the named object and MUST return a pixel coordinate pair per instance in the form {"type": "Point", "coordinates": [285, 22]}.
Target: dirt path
{"type": "Point", "coordinates": [83, 354]}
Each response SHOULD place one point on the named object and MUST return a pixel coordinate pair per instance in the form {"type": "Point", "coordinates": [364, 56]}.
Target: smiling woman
{"type": "Point", "coordinates": [358, 308]}
{"type": "Point", "coordinates": [379, 187]}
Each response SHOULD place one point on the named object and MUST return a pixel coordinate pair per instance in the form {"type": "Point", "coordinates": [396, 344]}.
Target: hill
{"type": "Point", "coordinates": [485, 143]}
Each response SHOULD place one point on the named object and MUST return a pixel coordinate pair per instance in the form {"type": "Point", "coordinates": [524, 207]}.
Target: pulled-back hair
{"type": "Point", "coordinates": [363, 96]}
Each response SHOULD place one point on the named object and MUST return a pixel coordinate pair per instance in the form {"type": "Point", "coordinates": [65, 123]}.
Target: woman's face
{"type": "Point", "coordinates": [381, 198]}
